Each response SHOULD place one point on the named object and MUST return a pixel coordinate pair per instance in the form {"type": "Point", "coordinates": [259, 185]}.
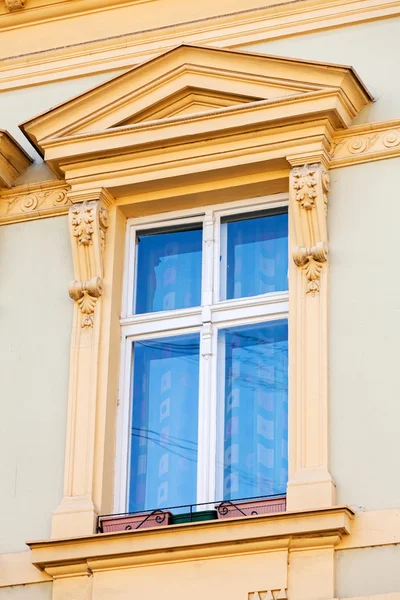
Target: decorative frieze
{"type": "Point", "coordinates": [366, 143]}
{"type": "Point", "coordinates": [34, 202]}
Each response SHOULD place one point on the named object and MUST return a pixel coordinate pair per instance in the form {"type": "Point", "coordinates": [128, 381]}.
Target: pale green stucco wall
{"type": "Point", "coordinates": [373, 49]}
{"type": "Point", "coordinates": [35, 327]}
{"type": "Point", "coordinates": [364, 217]}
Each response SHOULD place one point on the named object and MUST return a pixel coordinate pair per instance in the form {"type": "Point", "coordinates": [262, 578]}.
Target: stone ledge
{"type": "Point", "coordinates": [190, 541]}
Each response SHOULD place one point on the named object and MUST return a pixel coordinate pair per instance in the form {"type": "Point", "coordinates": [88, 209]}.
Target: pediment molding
{"type": "Point", "coordinates": [13, 160]}
{"type": "Point", "coordinates": [190, 95]}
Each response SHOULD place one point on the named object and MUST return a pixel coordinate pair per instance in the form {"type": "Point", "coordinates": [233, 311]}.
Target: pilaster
{"type": "Point", "coordinates": [89, 226]}
{"type": "Point", "coordinates": [310, 483]}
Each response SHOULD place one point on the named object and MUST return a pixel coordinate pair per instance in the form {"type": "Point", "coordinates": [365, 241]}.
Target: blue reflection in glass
{"type": "Point", "coordinates": [163, 456]}
{"type": "Point", "coordinates": [168, 270]}
{"type": "Point", "coordinates": [256, 410]}
{"type": "Point", "coordinates": [257, 256]}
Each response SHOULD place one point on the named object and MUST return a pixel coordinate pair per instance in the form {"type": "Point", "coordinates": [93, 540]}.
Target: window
{"type": "Point", "coordinates": [203, 395]}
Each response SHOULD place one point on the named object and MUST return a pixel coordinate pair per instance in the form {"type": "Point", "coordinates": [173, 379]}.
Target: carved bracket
{"type": "Point", "coordinates": [88, 226]}
{"type": "Point", "coordinates": [86, 295]}
{"type": "Point", "coordinates": [309, 186]}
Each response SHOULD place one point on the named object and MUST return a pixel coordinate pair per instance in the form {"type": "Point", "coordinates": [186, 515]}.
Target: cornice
{"type": "Point", "coordinates": [13, 160]}
{"type": "Point", "coordinates": [28, 202]}
{"type": "Point", "coordinates": [254, 116]}
{"type": "Point", "coordinates": [194, 540]}
{"type": "Point", "coordinates": [359, 144]}
{"type": "Point", "coordinates": [366, 143]}
{"type": "Point", "coordinates": [226, 31]}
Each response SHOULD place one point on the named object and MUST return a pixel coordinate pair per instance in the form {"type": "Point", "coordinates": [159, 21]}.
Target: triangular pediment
{"type": "Point", "coordinates": [188, 101]}
{"type": "Point", "coordinates": [193, 80]}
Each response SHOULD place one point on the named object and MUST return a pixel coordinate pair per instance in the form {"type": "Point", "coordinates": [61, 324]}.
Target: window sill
{"type": "Point", "coordinates": [200, 540]}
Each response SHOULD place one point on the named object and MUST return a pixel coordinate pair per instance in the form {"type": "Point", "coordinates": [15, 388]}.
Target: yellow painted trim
{"type": "Point", "coordinates": [281, 19]}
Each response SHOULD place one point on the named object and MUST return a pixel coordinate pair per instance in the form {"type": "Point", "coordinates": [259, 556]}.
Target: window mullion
{"type": "Point", "coordinates": [206, 418]}
{"type": "Point", "coordinates": [205, 467]}
{"type": "Point", "coordinates": [208, 258]}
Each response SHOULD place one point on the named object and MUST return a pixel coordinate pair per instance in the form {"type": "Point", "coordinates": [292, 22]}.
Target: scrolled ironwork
{"type": "Point", "coordinates": [161, 515]}
{"type": "Point", "coordinates": [223, 508]}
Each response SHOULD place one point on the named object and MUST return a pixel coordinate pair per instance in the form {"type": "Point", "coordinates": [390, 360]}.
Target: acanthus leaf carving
{"type": "Point", "coordinates": [311, 259]}
{"type": "Point", "coordinates": [86, 293]}
{"type": "Point", "coordinates": [309, 192]}
{"type": "Point", "coordinates": [82, 222]}
{"type": "Point", "coordinates": [88, 226]}
{"type": "Point", "coordinates": [305, 184]}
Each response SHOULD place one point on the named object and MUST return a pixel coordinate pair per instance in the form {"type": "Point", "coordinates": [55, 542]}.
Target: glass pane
{"type": "Point", "coordinates": [164, 422]}
{"type": "Point", "coordinates": [168, 270]}
{"type": "Point", "coordinates": [256, 260]}
{"type": "Point", "coordinates": [254, 373]}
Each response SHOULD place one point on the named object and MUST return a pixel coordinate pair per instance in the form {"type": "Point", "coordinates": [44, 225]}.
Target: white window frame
{"type": "Point", "coordinates": [207, 320]}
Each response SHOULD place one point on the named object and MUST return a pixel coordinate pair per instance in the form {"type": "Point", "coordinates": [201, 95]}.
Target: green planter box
{"type": "Point", "coordinates": [194, 517]}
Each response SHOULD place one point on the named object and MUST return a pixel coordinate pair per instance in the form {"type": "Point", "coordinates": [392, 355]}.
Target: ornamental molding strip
{"type": "Point", "coordinates": [366, 143]}
{"type": "Point", "coordinates": [281, 19]}
{"type": "Point", "coordinates": [29, 202]}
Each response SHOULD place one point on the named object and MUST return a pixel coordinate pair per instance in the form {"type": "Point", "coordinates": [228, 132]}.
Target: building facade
{"type": "Point", "coordinates": [199, 311]}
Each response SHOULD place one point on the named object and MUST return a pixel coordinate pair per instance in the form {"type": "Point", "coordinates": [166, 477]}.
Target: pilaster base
{"type": "Point", "coordinates": [310, 489]}
{"type": "Point", "coordinates": [76, 516]}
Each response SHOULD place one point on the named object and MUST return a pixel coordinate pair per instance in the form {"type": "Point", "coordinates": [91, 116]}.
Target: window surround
{"type": "Point", "coordinates": [207, 319]}
{"type": "Point", "coordinates": [282, 142]}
